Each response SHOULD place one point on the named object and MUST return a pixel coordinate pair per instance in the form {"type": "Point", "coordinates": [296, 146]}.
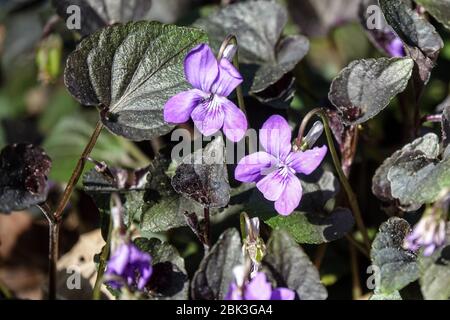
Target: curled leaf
{"type": "Point", "coordinates": [365, 87]}
{"type": "Point", "coordinates": [23, 177]}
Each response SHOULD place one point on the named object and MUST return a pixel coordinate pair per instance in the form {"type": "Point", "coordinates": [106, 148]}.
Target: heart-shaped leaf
{"type": "Point", "coordinates": [97, 14]}
{"type": "Point", "coordinates": [258, 26]}
{"type": "Point", "coordinates": [365, 87]}
{"type": "Point", "coordinates": [440, 9]}
{"type": "Point", "coordinates": [130, 71]}
{"type": "Point", "coordinates": [202, 176]}
{"type": "Point", "coordinates": [290, 267]}
{"type": "Point", "coordinates": [426, 146]}
{"type": "Point", "coordinates": [395, 266]}
{"type": "Point", "coordinates": [215, 274]}
{"type": "Point", "coordinates": [315, 228]}
{"type": "Point", "coordinates": [23, 177]}
{"type": "Point", "coordinates": [169, 279]}
{"type": "Point", "coordinates": [422, 42]}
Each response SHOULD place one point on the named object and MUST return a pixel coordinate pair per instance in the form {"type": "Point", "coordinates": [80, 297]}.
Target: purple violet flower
{"type": "Point", "coordinates": [130, 264]}
{"type": "Point", "coordinates": [275, 171]}
{"type": "Point", "coordinates": [207, 102]}
{"type": "Point", "coordinates": [429, 233]}
{"type": "Point", "coordinates": [258, 289]}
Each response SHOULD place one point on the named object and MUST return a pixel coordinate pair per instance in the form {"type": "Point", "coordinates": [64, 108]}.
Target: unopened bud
{"type": "Point", "coordinates": [313, 134]}
{"type": "Point", "coordinates": [230, 52]}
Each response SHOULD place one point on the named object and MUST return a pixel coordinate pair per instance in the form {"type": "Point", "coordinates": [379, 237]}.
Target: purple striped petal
{"type": "Point", "coordinates": [291, 196]}
{"type": "Point", "coordinates": [253, 167]}
{"type": "Point", "coordinates": [208, 117]}
{"type": "Point", "coordinates": [235, 123]}
{"type": "Point", "coordinates": [275, 137]}
{"type": "Point", "coordinates": [307, 161]}
{"type": "Point", "coordinates": [201, 68]}
{"type": "Point", "coordinates": [229, 78]}
{"type": "Point", "coordinates": [179, 108]}
{"type": "Point", "coordinates": [272, 185]}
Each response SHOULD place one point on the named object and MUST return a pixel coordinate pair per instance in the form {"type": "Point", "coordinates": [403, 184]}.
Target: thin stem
{"type": "Point", "coordinates": [53, 229]}
{"type": "Point", "coordinates": [96, 294]}
{"type": "Point", "coordinates": [356, 284]}
{"type": "Point", "coordinates": [77, 171]}
{"type": "Point", "coordinates": [207, 222]}
{"type": "Point", "coordinates": [53, 258]}
{"type": "Point", "coordinates": [320, 254]}
{"type": "Point", "coordinates": [352, 199]}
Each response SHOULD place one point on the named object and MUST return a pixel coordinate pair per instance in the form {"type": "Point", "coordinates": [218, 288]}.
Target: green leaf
{"type": "Point", "coordinates": [130, 71]}
{"type": "Point", "coordinates": [215, 274]}
{"type": "Point", "coordinates": [163, 216]}
{"type": "Point", "coordinates": [435, 273]}
{"type": "Point", "coordinates": [395, 266]}
{"type": "Point", "coordinates": [169, 279]}
{"type": "Point", "coordinates": [258, 26]}
{"type": "Point", "coordinates": [440, 9]}
{"type": "Point", "coordinates": [315, 228]}
{"type": "Point", "coordinates": [67, 140]}
{"type": "Point", "coordinates": [365, 87]}
{"type": "Point", "coordinates": [290, 267]}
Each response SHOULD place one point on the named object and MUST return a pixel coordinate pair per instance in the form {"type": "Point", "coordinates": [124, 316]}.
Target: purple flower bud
{"type": "Point", "coordinates": [129, 266]}
{"type": "Point", "coordinates": [429, 233]}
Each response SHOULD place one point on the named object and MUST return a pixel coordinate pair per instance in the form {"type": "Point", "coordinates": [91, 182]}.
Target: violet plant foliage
{"type": "Point", "coordinates": [147, 77]}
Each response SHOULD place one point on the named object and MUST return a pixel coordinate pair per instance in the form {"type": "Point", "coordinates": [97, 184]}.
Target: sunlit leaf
{"type": "Point", "coordinates": [130, 71]}
{"type": "Point", "coordinates": [365, 87]}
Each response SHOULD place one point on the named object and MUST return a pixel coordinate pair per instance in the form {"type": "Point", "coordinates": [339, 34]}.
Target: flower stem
{"type": "Point", "coordinates": [54, 220]}
{"type": "Point", "coordinates": [77, 171]}
{"type": "Point", "coordinates": [96, 293]}
{"type": "Point", "coordinates": [53, 229]}
{"type": "Point", "coordinates": [352, 199]}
